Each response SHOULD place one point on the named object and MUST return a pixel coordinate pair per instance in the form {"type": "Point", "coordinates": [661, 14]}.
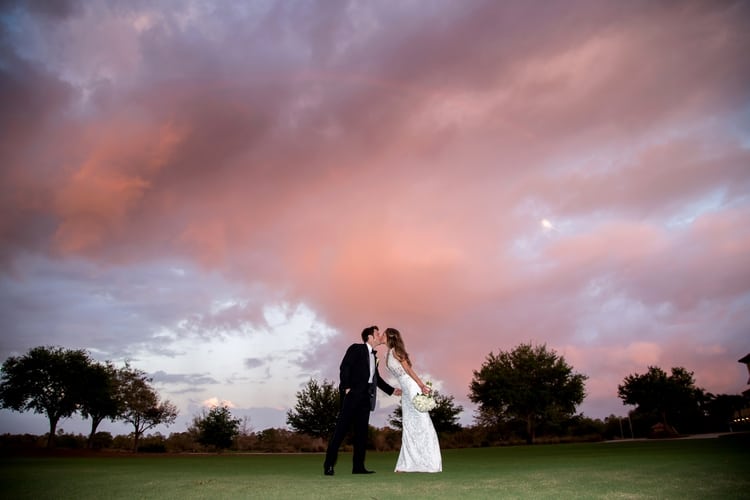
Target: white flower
{"type": "Point", "coordinates": [424, 402]}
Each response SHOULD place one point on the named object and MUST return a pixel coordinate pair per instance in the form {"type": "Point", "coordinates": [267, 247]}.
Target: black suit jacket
{"type": "Point", "coordinates": [354, 374]}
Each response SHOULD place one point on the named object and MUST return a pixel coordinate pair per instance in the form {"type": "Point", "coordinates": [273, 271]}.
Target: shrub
{"type": "Point", "coordinates": [153, 444]}
{"type": "Point", "coordinates": [102, 440]}
{"type": "Point", "coordinates": [68, 440]}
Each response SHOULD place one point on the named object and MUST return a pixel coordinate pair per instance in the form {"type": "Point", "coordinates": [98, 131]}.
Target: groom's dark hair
{"type": "Point", "coordinates": [370, 330]}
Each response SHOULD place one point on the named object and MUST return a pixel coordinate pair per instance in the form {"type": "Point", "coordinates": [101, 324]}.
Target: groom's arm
{"type": "Point", "coordinates": [383, 385]}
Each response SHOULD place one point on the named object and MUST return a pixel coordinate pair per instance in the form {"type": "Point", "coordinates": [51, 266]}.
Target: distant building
{"type": "Point", "coordinates": [746, 360]}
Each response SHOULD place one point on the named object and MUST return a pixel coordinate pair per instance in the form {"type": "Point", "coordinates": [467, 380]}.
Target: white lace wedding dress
{"type": "Point", "coordinates": [420, 449]}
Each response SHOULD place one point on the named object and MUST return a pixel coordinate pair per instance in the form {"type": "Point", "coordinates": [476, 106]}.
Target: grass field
{"type": "Point", "coordinates": [696, 468]}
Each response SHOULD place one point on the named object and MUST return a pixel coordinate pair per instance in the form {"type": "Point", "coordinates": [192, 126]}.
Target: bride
{"type": "Point", "coordinates": [420, 450]}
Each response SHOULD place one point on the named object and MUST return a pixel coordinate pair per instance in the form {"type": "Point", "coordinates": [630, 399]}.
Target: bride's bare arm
{"type": "Point", "coordinates": [410, 371]}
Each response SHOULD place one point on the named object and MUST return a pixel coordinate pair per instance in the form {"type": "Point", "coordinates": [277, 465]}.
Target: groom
{"type": "Point", "coordinates": [357, 390]}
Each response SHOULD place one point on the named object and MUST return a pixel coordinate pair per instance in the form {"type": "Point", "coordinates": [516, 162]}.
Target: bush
{"type": "Point", "coordinates": [72, 441]}
{"type": "Point", "coordinates": [17, 442]}
{"type": "Point", "coordinates": [247, 441]}
{"type": "Point", "coordinates": [102, 440]}
{"type": "Point", "coordinates": [121, 442]}
{"type": "Point", "coordinates": [181, 442]}
{"type": "Point", "coordinates": [153, 444]}
{"type": "Point", "coordinates": [275, 441]}
{"type": "Point", "coordinates": [387, 439]}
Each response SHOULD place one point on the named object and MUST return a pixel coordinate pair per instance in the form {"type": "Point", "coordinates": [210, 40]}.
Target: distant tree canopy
{"type": "Point", "coordinates": [529, 383]}
{"type": "Point", "coordinates": [217, 427]}
{"type": "Point", "coordinates": [59, 382]}
{"type": "Point", "coordinates": [316, 409]}
{"type": "Point", "coordinates": [444, 416]}
{"type": "Point", "coordinates": [100, 396]}
{"type": "Point", "coordinates": [673, 399]}
{"type": "Point", "coordinates": [46, 380]}
{"type": "Point", "coordinates": [140, 403]}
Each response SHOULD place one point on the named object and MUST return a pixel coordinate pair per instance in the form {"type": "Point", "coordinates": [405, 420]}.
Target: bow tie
{"type": "Point", "coordinates": [374, 352]}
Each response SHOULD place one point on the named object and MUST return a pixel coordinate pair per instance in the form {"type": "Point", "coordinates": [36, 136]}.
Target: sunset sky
{"type": "Point", "coordinates": [225, 193]}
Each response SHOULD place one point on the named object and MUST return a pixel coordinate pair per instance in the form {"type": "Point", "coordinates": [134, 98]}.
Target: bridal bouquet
{"type": "Point", "coordinates": [424, 402]}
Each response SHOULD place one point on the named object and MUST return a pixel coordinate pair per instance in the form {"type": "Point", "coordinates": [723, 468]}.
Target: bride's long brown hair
{"type": "Point", "coordinates": [396, 343]}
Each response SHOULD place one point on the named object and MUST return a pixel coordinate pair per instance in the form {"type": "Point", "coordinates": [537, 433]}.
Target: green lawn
{"type": "Point", "coordinates": [699, 468]}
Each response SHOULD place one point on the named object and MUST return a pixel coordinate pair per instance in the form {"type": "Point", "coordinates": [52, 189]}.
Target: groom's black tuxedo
{"type": "Point", "coordinates": [356, 403]}
{"type": "Point", "coordinates": [354, 375]}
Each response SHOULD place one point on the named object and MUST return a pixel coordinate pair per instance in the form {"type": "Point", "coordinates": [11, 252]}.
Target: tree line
{"type": "Point", "coordinates": [58, 382]}
{"type": "Point", "coordinates": [532, 389]}
{"type": "Point", "coordinates": [520, 393]}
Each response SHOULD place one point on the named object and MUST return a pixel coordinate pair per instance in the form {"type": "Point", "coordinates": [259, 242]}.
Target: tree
{"type": "Point", "coordinates": [217, 427]}
{"type": "Point", "coordinates": [530, 383]}
{"type": "Point", "coordinates": [444, 416]}
{"type": "Point", "coordinates": [721, 409]}
{"type": "Point", "coordinates": [316, 409]}
{"type": "Point", "coordinates": [670, 398]}
{"type": "Point", "coordinates": [100, 396]}
{"type": "Point", "coordinates": [46, 380]}
{"type": "Point", "coordinates": [140, 403]}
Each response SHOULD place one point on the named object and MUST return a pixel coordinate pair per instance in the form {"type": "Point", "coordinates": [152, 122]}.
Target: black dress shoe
{"type": "Point", "coordinates": [328, 471]}
{"type": "Point", "coordinates": [363, 471]}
